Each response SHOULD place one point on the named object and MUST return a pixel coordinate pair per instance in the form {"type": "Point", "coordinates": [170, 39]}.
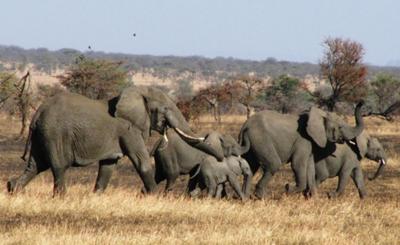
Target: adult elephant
{"type": "Point", "coordinates": [72, 130]}
{"type": "Point", "coordinates": [139, 105]}
{"type": "Point", "coordinates": [269, 139]}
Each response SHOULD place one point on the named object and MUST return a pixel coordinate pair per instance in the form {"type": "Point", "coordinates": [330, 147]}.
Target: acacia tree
{"type": "Point", "coordinates": [343, 69]}
{"type": "Point", "coordinates": [96, 79]}
{"type": "Point", "coordinates": [385, 92]}
{"type": "Point", "coordinates": [246, 90]}
{"type": "Point", "coordinates": [214, 95]}
{"type": "Point", "coordinates": [285, 94]}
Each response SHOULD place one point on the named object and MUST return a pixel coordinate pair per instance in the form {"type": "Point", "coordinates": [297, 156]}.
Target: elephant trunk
{"type": "Point", "coordinates": [380, 169]}
{"type": "Point", "coordinates": [198, 143]}
{"type": "Point", "coordinates": [351, 133]}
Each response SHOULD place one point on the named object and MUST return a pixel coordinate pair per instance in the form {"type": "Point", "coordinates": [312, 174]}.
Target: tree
{"type": "Point", "coordinates": [343, 69]}
{"type": "Point", "coordinates": [15, 95]}
{"type": "Point", "coordinates": [385, 93]}
{"type": "Point", "coordinates": [184, 89]}
{"type": "Point", "coordinates": [285, 95]}
{"type": "Point", "coordinates": [214, 95]}
{"type": "Point", "coordinates": [246, 89]}
{"type": "Point", "coordinates": [96, 79]}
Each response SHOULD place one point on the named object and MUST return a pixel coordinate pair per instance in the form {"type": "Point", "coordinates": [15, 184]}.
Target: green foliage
{"type": "Point", "coordinates": [385, 91]}
{"type": "Point", "coordinates": [96, 79]}
{"type": "Point", "coordinates": [7, 85]}
{"type": "Point", "coordinates": [285, 95]}
{"type": "Point", "coordinates": [45, 90]}
{"type": "Point", "coordinates": [185, 89]}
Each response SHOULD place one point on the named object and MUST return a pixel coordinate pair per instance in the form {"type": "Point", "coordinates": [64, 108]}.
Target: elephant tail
{"type": "Point", "coordinates": [244, 141]}
{"type": "Point", "coordinates": [32, 127]}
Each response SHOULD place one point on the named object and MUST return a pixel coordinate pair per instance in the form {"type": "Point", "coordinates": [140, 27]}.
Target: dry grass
{"type": "Point", "coordinates": [122, 215]}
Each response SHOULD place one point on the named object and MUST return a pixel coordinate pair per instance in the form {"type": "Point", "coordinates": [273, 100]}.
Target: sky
{"type": "Point", "coordinates": [291, 30]}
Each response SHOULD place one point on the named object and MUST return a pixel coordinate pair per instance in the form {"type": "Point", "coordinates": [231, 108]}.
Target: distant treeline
{"type": "Point", "coordinates": [164, 66]}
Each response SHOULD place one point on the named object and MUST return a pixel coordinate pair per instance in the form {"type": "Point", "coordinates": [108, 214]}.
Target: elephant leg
{"type": "Point", "coordinates": [106, 168]}
{"type": "Point", "coordinates": [224, 194]}
{"type": "Point", "coordinates": [311, 182]}
{"type": "Point", "coordinates": [321, 173]}
{"type": "Point", "coordinates": [343, 179]}
{"type": "Point", "coordinates": [31, 170]}
{"type": "Point", "coordinates": [300, 167]}
{"type": "Point", "coordinates": [358, 180]}
{"type": "Point", "coordinates": [136, 150]}
{"type": "Point", "coordinates": [170, 183]}
{"type": "Point", "coordinates": [220, 188]}
{"type": "Point", "coordinates": [270, 162]}
{"type": "Point", "coordinates": [236, 186]}
{"type": "Point", "coordinates": [211, 186]}
{"type": "Point", "coordinates": [59, 183]}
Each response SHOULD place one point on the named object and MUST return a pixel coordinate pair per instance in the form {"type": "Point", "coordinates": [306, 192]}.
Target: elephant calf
{"type": "Point", "coordinates": [174, 157]}
{"type": "Point", "coordinates": [345, 162]}
{"type": "Point", "coordinates": [214, 176]}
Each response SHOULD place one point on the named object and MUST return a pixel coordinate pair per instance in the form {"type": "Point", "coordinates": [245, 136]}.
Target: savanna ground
{"type": "Point", "coordinates": [123, 215]}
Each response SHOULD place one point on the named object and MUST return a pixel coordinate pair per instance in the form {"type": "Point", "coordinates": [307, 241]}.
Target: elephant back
{"type": "Point", "coordinates": [132, 105]}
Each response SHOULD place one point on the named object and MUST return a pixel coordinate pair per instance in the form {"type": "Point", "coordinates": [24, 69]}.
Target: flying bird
{"type": "Point", "coordinates": [134, 34]}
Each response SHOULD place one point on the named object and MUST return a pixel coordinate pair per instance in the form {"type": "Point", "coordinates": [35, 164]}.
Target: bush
{"type": "Point", "coordinates": [96, 79]}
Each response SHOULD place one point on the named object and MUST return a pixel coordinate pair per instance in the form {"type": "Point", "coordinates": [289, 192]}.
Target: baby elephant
{"type": "Point", "coordinates": [174, 157]}
{"type": "Point", "coordinates": [345, 162]}
{"type": "Point", "coordinates": [214, 175]}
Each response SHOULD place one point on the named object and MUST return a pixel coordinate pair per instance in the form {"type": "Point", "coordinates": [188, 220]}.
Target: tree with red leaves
{"type": "Point", "coordinates": [214, 95]}
{"type": "Point", "coordinates": [343, 69]}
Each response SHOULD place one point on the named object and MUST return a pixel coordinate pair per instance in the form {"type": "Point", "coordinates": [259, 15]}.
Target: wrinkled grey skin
{"type": "Point", "coordinates": [270, 139]}
{"type": "Point", "coordinates": [345, 162]}
{"type": "Point", "coordinates": [174, 157]}
{"type": "Point", "coordinates": [214, 176]}
{"type": "Point", "coordinates": [89, 126]}
{"type": "Point", "coordinates": [137, 105]}
{"type": "Point", "coordinates": [72, 130]}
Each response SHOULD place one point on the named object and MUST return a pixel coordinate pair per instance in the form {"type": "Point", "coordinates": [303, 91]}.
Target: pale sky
{"type": "Point", "coordinates": [290, 30]}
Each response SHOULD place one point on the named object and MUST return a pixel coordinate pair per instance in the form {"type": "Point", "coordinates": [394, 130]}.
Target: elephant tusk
{"type": "Point", "coordinates": [352, 142]}
{"type": "Point", "coordinates": [188, 136]}
{"type": "Point", "coordinates": [383, 161]}
{"type": "Point", "coordinates": [165, 136]}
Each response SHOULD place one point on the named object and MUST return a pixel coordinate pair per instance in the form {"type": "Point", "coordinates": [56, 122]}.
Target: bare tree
{"type": "Point", "coordinates": [246, 89]}
{"type": "Point", "coordinates": [214, 95]}
{"type": "Point", "coordinates": [19, 94]}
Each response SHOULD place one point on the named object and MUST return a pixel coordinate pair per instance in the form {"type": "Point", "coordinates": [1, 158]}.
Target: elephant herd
{"type": "Point", "coordinates": [71, 130]}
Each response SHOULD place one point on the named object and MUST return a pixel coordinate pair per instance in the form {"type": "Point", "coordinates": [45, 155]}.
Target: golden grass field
{"type": "Point", "coordinates": [123, 216]}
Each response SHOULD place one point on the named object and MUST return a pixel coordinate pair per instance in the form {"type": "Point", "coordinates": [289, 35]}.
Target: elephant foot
{"type": "Point", "coordinates": [362, 194]}
{"type": "Point", "coordinates": [259, 194]}
{"type": "Point", "coordinates": [293, 189]}
{"type": "Point", "coordinates": [98, 190]}
{"type": "Point", "coordinates": [195, 193]}
{"type": "Point", "coordinates": [309, 193]}
{"type": "Point", "coordinates": [11, 184]}
{"type": "Point", "coordinates": [333, 194]}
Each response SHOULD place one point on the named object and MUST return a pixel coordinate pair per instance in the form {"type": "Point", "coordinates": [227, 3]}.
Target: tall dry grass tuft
{"type": "Point", "coordinates": [122, 215]}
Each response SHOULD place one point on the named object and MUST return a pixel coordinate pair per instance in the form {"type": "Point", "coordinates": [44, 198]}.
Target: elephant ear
{"type": "Point", "coordinates": [316, 127]}
{"type": "Point", "coordinates": [362, 143]}
{"type": "Point", "coordinates": [173, 122]}
{"type": "Point", "coordinates": [130, 104]}
{"type": "Point", "coordinates": [215, 140]}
